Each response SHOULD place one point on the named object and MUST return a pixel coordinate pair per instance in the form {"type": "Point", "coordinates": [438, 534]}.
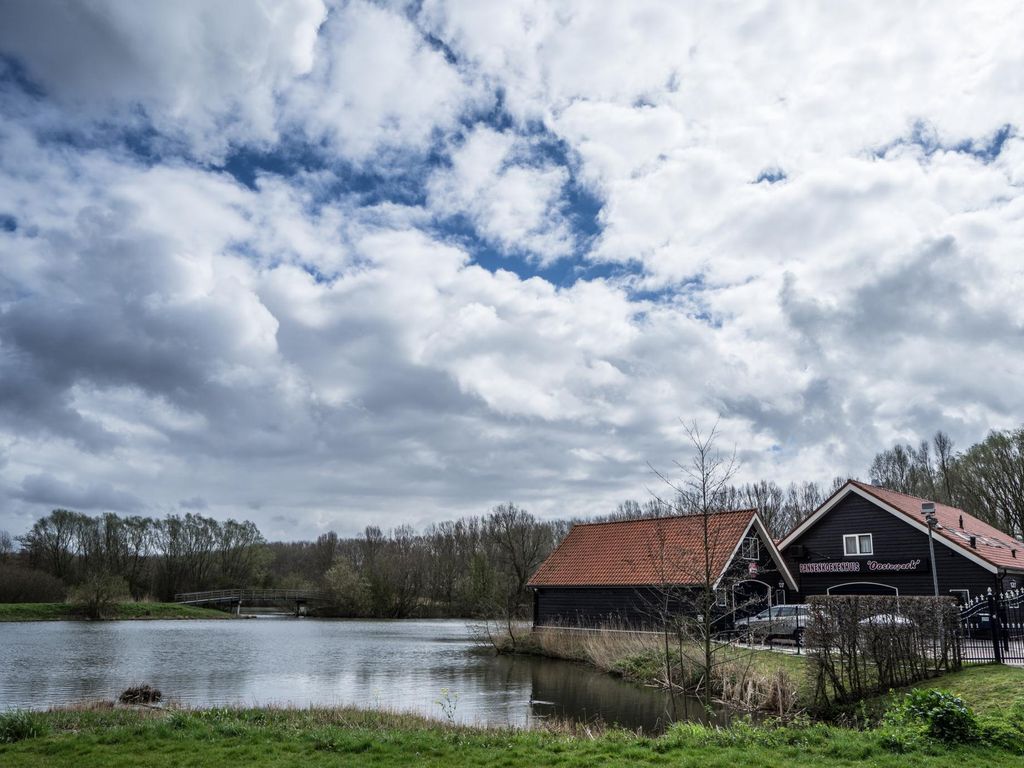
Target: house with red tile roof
{"type": "Point", "coordinates": [622, 572]}
{"type": "Point", "coordinates": [869, 540]}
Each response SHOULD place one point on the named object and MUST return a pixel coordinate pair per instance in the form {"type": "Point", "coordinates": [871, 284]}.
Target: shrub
{"type": "Point", "coordinates": [937, 714]}
{"type": "Point", "coordinates": [18, 724]}
{"type": "Point", "coordinates": [98, 595]}
{"type": "Point", "coordinates": [859, 645]}
{"type": "Point", "coordinates": [28, 585]}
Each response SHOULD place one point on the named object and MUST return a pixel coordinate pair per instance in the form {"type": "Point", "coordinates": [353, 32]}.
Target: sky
{"type": "Point", "coordinates": [328, 264]}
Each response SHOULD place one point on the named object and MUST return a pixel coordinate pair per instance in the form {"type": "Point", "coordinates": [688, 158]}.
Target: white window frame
{"type": "Point", "coordinates": [856, 551]}
{"type": "Point", "coordinates": [744, 552]}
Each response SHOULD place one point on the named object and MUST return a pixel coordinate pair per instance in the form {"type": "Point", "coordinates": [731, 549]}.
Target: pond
{"type": "Point", "coordinates": [401, 665]}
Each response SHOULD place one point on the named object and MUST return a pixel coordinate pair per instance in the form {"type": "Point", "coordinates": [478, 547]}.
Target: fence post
{"type": "Point", "coordinates": [993, 615]}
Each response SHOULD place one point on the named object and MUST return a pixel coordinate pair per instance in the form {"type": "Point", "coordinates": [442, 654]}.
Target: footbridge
{"type": "Point", "coordinates": [232, 599]}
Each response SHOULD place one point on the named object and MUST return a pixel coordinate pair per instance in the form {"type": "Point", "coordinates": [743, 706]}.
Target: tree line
{"type": "Point", "coordinates": [473, 566]}
{"type": "Point", "coordinates": [986, 480]}
{"type": "Point", "coordinates": [147, 557]}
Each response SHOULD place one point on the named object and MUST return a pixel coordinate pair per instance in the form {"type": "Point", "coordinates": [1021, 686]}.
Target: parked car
{"type": "Point", "coordinates": [777, 621]}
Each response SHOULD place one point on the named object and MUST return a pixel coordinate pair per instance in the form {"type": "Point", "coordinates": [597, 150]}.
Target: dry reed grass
{"type": "Point", "coordinates": [741, 678]}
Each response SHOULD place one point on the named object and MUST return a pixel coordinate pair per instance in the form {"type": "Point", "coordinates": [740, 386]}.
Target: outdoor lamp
{"type": "Point", "coordinates": [928, 510]}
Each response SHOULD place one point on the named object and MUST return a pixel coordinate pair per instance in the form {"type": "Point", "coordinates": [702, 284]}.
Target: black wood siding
{"type": "Point", "coordinates": [894, 541]}
{"type": "Point", "coordinates": [640, 606]}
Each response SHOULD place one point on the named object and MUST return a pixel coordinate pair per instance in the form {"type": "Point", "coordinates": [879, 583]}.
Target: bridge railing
{"type": "Point", "coordinates": [224, 595]}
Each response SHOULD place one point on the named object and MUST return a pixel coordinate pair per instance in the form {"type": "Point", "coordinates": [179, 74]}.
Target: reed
{"type": "Point", "coordinates": [742, 678]}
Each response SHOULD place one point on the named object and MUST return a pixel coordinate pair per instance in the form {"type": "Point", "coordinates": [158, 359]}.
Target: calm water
{"type": "Point", "coordinates": [391, 664]}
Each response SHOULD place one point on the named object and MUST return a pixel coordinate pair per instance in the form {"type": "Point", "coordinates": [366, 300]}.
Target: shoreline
{"type": "Point", "coordinates": [752, 681]}
{"type": "Point", "coordinates": [104, 734]}
{"type": "Point", "coordinates": [126, 611]}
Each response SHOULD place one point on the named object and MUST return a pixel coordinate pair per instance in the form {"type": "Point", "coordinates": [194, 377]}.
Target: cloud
{"type": "Point", "coordinates": [378, 84]}
{"type": "Point", "coordinates": [399, 316]}
{"type": "Point", "coordinates": [48, 491]}
{"type": "Point", "coordinates": [513, 199]}
{"type": "Point", "coordinates": [208, 73]}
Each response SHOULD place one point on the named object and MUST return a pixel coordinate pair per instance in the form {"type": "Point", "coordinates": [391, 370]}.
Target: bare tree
{"type": "Point", "coordinates": [6, 546]}
{"type": "Point", "coordinates": [519, 544]}
{"type": "Point", "coordinates": [700, 491]}
{"type": "Point", "coordinates": [946, 461]}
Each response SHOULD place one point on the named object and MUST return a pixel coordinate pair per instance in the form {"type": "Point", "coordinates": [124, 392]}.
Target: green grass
{"type": "Point", "coordinates": [65, 611]}
{"type": "Point", "coordinates": [987, 687]}
{"type": "Point", "coordinates": [310, 738]}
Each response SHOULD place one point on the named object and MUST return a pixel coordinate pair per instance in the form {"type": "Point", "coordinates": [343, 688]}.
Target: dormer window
{"type": "Point", "coordinates": [855, 544]}
{"type": "Point", "coordinates": [751, 548]}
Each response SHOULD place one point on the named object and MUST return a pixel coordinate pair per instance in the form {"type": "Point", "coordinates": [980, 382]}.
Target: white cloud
{"type": "Point", "coordinates": [511, 199]}
{"type": "Point", "coordinates": [378, 84]}
{"type": "Point", "coordinates": [295, 354]}
{"type": "Point", "coordinates": [205, 72]}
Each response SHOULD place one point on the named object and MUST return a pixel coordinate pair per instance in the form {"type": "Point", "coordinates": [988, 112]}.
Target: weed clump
{"type": "Point", "coordinates": [18, 725]}
{"type": "Point", "coordinates": [938, 715]}
{"type": "Point", "coordinates": [140, 694]}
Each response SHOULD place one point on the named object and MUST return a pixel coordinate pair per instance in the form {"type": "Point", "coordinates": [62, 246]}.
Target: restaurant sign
{"type": "Point", "coordinates": [854, 566]}
{"type": "Point", "coordinates": [908, 565]}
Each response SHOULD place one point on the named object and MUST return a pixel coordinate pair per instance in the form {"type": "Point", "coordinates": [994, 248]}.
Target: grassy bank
{"type": "Point", "coordinates": [750, 679]}
{"type": "Point", "coordinates": [320, 737]}
{"type": "Point", "coordinates": [123, 611]}
{"type": "Point", "coordinates": [990, 689]}
{"type": "Point", "coordinates": [746, 678]}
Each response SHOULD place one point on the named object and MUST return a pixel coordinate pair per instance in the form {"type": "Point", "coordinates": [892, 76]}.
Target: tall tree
{"type": "Point", "coordinates": [701, 490]}
{"type": "Point", "coordinates": [990, 480]}
{"type": "Point", "coordinates": [519, 543]}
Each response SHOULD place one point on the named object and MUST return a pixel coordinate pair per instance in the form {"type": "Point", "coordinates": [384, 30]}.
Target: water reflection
{"type": "Point", "coordinates": [400, 665]}
{"type": "Point", "coordinates": [574, 692]}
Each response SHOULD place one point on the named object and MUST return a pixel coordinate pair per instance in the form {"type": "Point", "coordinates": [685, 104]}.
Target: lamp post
{"type": "Point", "coordinates": [928, 510]}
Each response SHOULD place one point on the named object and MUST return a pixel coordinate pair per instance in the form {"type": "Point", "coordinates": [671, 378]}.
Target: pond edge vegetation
{"type": "Point", "coordinates": [936, 728]}
{"type": "Point", "coordinates": [116, 611]}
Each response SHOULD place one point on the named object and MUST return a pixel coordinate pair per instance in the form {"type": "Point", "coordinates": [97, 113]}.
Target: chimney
{"type": "Point", "coordinates": [1013, 553]}
{"type": "Point", "coordinates": [974, 542]}
{"type": "Point", "coordinates": [961, 522]}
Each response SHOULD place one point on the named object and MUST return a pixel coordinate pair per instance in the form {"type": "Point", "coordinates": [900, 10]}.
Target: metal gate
{"type": "Point", "coordinates": [993, 629]}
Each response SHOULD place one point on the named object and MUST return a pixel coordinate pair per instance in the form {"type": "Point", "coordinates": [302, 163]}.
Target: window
{"type": "Point", "coordinates": [962, 595]}
{"type": "Point", "coordinates": [858, 544]}
{"type": "Point", "coordinates": [751, 548]}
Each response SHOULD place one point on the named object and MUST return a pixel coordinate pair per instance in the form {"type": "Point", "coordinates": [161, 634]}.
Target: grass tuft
{"type": "Point", "coordinates": [18, 725]}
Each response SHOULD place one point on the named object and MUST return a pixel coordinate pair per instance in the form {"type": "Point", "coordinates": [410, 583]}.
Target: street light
{"type": "Point", "coordinates": [928, 510]}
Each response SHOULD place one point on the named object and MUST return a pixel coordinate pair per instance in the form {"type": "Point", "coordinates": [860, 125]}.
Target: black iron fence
{"type": "Point", "coordinates": [993, 629]}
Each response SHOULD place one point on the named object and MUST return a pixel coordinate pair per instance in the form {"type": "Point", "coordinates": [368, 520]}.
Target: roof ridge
{"type": "Point", "coordinates": [751, 510]}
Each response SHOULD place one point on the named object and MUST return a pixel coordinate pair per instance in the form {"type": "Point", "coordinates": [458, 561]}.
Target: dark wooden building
{"type": "Point", "coordinates": [870, 540]}
{"type": "Point", "coordinates": [632, 572]}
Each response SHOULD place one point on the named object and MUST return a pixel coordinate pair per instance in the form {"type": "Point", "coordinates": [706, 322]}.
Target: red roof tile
{"type": "Point", "coordinates": [628, 552]}
{"type": "Point", "coordinates": [992, 545]}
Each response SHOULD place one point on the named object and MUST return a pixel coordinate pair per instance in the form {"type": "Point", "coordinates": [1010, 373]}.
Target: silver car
{"type": "Point", "coordinates": [777, 621]}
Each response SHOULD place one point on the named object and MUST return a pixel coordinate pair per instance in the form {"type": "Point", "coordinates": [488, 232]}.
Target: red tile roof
{"type": "Point", "coordinates": [992, 545]}
{"type": "Point", "coordinates": [628, 552]}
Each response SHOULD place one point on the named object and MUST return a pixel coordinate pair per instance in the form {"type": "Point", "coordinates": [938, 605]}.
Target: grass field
{"type": "Point", "coordinates": [65, 611]}
{"type": "Point", "coordinates": [308, 738]}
